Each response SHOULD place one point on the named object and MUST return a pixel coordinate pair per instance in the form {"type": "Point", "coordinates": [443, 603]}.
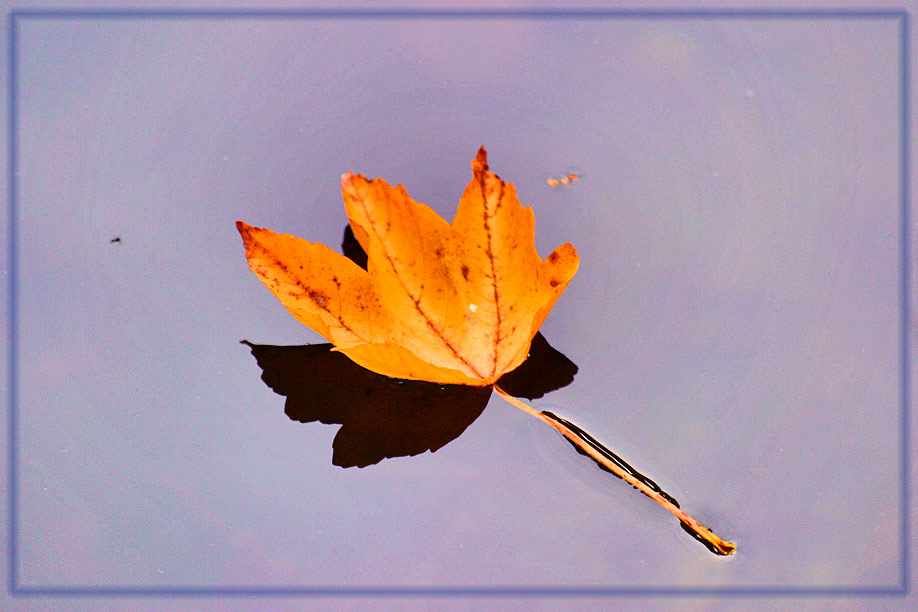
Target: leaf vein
{"type": "Point", "coordinates": [415, 299]}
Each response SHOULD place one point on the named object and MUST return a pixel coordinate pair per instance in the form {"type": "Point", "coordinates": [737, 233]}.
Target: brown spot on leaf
{"type": "Point", "coordinates": [319, 298]}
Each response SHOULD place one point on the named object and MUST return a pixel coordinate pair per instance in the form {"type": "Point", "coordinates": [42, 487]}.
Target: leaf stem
{"type": "Point", "coordinates": [614, 464]}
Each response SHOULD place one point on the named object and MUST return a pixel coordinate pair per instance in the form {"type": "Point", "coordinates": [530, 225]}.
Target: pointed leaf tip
{"type": "Point", "coordinates": [480, 163]}
{"type": "Point", "coordinates": [244, 229]}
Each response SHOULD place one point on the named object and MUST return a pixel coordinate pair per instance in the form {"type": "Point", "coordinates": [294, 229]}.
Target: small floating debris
{"type": "Point", "coordinates": [570, 175]}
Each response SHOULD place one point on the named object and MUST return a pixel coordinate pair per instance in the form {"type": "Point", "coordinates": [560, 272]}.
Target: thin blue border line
{"type": "Point", "coordinates": [906, 306]}
{"type": "Point", "coordinates": [13, 161]}
{"type": "Point", "coordinates": [572, 13]}
{"type": "Point", "coordinates": [96, 591]}
{"type": "Point", "coordinates": [495, 591]}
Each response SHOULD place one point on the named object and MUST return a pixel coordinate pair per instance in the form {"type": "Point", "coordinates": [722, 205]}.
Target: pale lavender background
{"type": "Point", "coordinates": [735, 318]}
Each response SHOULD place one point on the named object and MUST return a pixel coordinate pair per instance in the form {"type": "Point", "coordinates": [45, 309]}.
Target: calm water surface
{"type": "Point", "coordinates": [735, 319]}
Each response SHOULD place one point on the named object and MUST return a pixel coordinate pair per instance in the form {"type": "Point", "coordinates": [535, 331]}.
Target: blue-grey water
{"type": "Point", "coordinates": [735, 320]}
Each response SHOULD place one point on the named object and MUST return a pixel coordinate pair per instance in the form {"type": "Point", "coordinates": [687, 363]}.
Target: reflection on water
{"type": "Point", "coordinates": [382, 417]}
{"type": "Point", "coordinates": [605, 459]}
{"type": "Point", "coordinates": [352, 249]}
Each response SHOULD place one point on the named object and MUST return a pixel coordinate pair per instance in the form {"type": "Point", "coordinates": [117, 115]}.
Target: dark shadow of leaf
{"type": "Point", "coordinates": [381, 417]}
{"type": "Point", "coordinates": [545, 370]}
{"type": "Point", "coordinates": [352, 249]}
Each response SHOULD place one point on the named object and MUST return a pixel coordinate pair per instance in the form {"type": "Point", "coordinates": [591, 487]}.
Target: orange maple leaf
{"type": "Point", "coordinates": [451, 303]}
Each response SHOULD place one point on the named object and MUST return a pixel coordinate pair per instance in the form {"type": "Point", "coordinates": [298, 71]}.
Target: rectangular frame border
{"type": "Point", "coordinates": [900, 15]}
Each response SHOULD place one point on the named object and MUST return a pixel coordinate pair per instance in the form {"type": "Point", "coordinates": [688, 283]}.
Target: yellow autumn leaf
{"type": "Point", "coordinates": [452, 303]}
